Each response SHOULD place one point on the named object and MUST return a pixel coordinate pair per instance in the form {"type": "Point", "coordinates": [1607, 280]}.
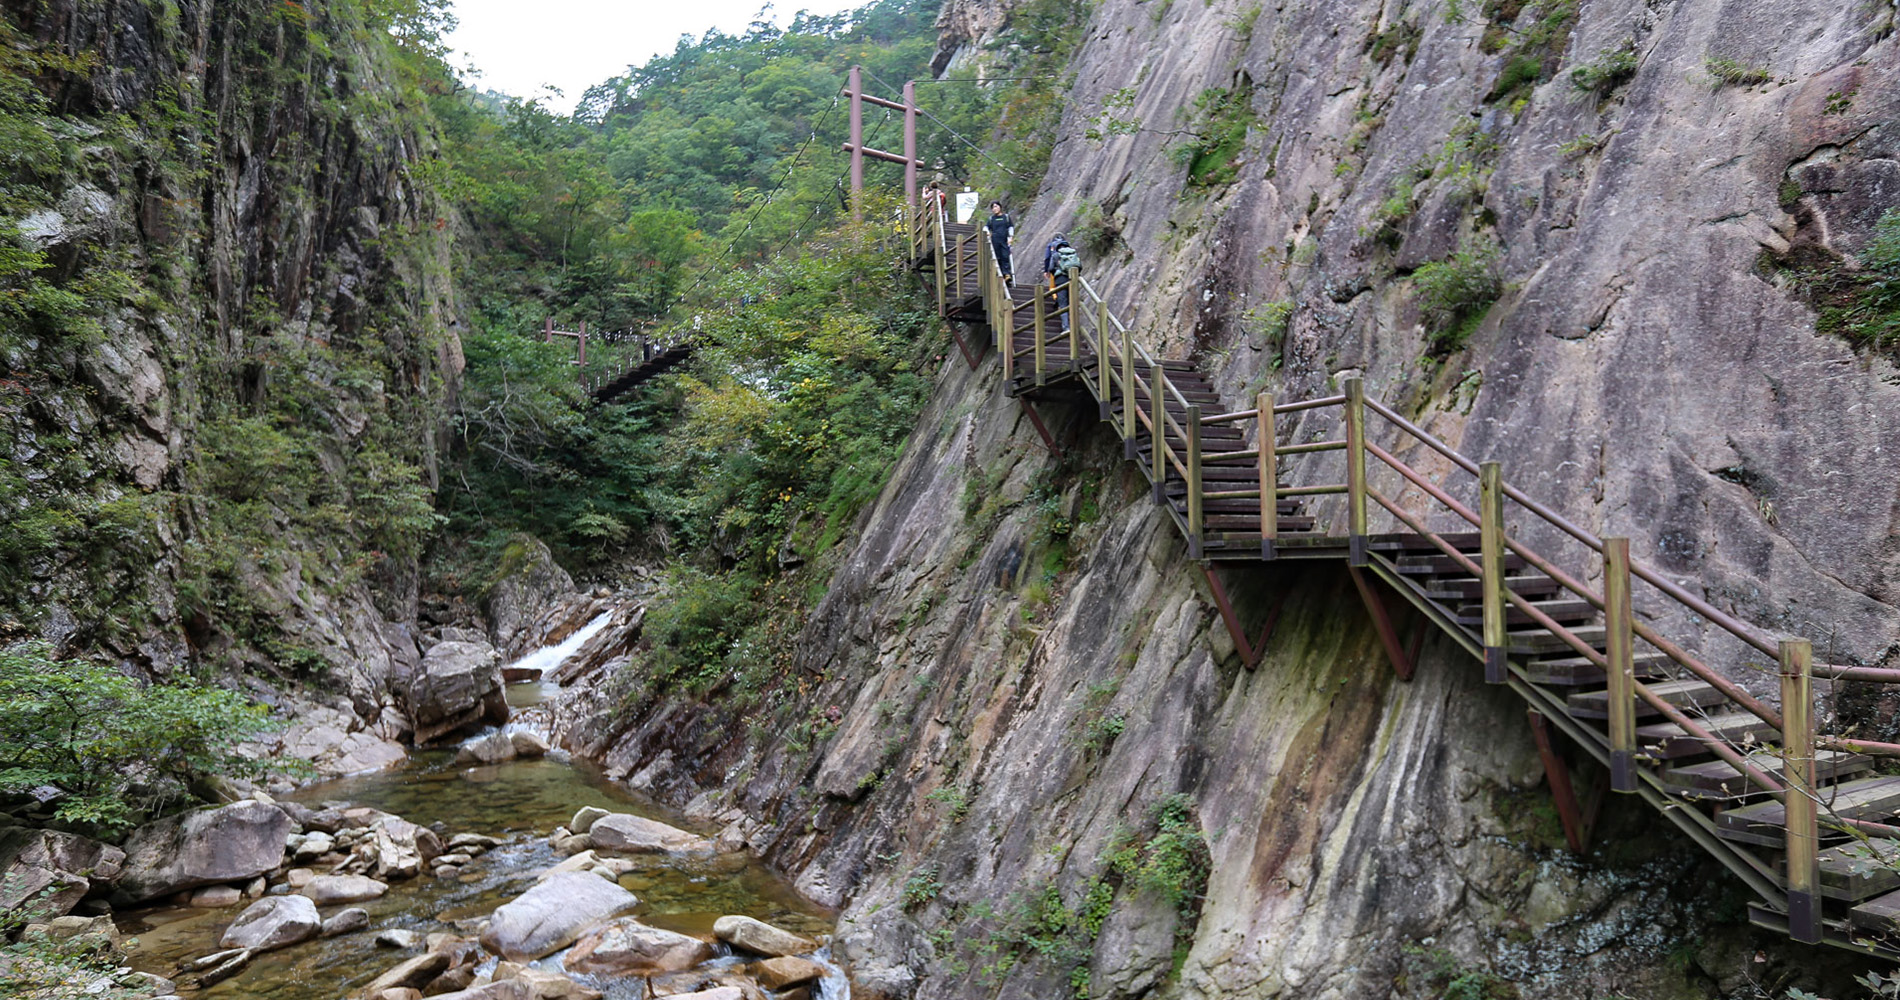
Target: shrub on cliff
{"type": "Point", "coordinates": [107, 750]}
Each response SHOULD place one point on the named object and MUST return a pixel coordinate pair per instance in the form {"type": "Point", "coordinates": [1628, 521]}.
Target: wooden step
{"type": "Point", "coordinates": [1718, 779]}
{"type": "Point", "coordinates": [1463, 541]}
{"type": "Point", "coordinates": [1234, 506]}
{"type": "Point", "coordinates": [1577, 671]}
{"type": "Point", "coordinates": [1465, 588]}
{"type": "Point", "coordinates": [1563, 611]}
{"type": "Point", "coordinates": [1858, 869]}
{"type": "Point", "coordinates": [1251, 525]}
{"type": "Point", "coordinates": [1538, 642]}
{"type": "Point", "coordinates": [1879, 916]}
{"type": "Point", "coordinates": [1442, 565]}
{"type": "Point", "coordinates": [1682, 694]}
{"type": "Point", "coordinates": [1667, 741]}
{"type": "Point", "coordinates": [1761, 823]}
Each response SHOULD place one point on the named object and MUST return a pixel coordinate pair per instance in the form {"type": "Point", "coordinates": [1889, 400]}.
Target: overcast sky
{"type": "Point", "coordinates": [521, 45]}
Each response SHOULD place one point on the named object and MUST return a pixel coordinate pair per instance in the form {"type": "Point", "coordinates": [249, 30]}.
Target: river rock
{"type": "Point", "coordinates": [489, 748]}
{"type": "Point", "coordinates": [395, 937]}
{"type": "Point", "coordinates": [624, 833]}
{"type": "Point", "coordinates": [299, 877]}
{"type": "Point", "coordinates": [346, 921]}
{"type": "Point", "coordinates": [95, 935]}
{"type": "Point", "coordinates": [512, 989]}
{"type": "Point", "coordinates": [464, 841]}
{"type": "Point", "coordinates": [527, 583]}
{"type": "Point", "coordinates": [552, 914]}
{"type": "Point", "coordinates": [449, 982]}
{"type": "Point", "coordinates": [273, 922]}
{"type": "Point", "coordinates": [573, 842]}
{"type": "Point", "coordinates": [716, 993]}
{"type": "Point", "coordinates": [458, 684]}
{"type": "Point", "coordinates": [328, 890]}
{"type": "Point", "coordinates": [545, 985]}
{"type": "Point", "coordinates": [33, 860]}
{"type": "Point", "coordinates": [785, 971]}
{"type": "Point", "coordinates": [528, 744]}
{"type": "Point", "coordinates": [398, 993]}
{"type": "Point", "coordinates": [414, 973]}
{"type": "Point", "coordinates": [761, 937]}
{"type": "Point", "coordinates": [229, 843]}
{"type": "Point", "coordinates": [584, 820]}
{"type": "Point", "coordinates": [628, 947]}
{"type": "Point", "coordinates": [212, 897]}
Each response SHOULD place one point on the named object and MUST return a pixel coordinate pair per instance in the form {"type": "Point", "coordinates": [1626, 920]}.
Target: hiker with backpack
{"type": "Point", "coordinates": [1002, 232]}
{"type": "Point", "coordinates": [1059, 258]}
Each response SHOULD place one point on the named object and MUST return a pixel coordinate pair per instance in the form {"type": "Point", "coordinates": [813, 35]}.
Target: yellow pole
{"type": "Point", "coordinates": [1619, 645]}
{"type": "Point", "coordinates": [1491, 561]}
{"type": "Point", "coordinates": [1269, 476]}
{"type": "Point", "coordinates": [1803, 831]}
{"type": "Point", "coordinates": [1356, 470]}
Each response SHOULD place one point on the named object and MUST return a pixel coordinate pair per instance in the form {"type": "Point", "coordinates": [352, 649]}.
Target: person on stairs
{"type": "Point", "coordinates": [1059, 261]}
{"type": "Point", "coordinates": [1002, 233]}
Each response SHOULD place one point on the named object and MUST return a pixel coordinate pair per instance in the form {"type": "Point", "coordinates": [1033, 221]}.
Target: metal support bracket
{"type": "Point", "coordinates": [1382, 623]}
{"type": "Point", "coordinates": [1048, 439]}
{"type": "Point", "coordinates": [1250, 652]}
{"type": "Point", "coordinates": [1579, 819]}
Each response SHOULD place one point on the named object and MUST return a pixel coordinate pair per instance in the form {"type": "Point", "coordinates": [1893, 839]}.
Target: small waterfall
{"type": "Point", "coordinates": [537, 664]}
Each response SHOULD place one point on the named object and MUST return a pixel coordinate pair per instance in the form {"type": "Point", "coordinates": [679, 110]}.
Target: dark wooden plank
{"type": "Point", "coordinates": [1761, 823]}
{"type": "Point", "coordinates": [1689, 694]}
{"type": "Point", "coordinates": [1718, 779]}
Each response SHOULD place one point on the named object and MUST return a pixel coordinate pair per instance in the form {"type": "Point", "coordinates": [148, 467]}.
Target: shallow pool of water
{"type": "Point", "coordinates": [522, 800]}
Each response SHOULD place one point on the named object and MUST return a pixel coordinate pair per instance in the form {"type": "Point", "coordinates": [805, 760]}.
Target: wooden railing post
{"type": "Point", "coordinates": [1194, 480]}
{"type": "Point", "coordinates": [1269, 476]}
{"type": "Point", "coordinates": [937, 255]}
{"type": "Point", "coordinates": [580, 347]}
{"type": "Point", "coordinates": [1068, 317]}
{"type": "Point", "coordinates": [1041, 347]}
{"type": "Point", "coordinates": [1356, 471]}
{"type": "Point", "coordinates": [1803, 832]}
{"type": "Point", "coordinates": [1158, 434]}
{"type": "Point", "coordinates": [1128, 395]}
{"type": "Point", "coordinates": [1491, 538]}
{"type": "Point", "coordinates": [547, 330]}
{"type": "Point", "coordinates": [1619, 650]}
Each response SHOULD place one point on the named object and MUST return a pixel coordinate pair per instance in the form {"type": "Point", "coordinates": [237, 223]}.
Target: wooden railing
{"type": "Point", "coordinates": [1132, 387]}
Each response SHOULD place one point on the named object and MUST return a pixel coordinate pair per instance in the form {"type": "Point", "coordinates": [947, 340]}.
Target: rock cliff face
{"type": "Point", "coordinates": [1020, 712]}
{"type": "Point", "coordinates": [227, 367]}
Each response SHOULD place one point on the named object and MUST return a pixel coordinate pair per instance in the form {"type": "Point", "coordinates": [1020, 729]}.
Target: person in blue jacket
{"type": "Point", "coordinates": [1002, 232]}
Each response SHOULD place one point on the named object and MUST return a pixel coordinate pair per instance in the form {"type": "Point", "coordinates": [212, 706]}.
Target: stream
{"type": "Point", "coordinates": [519, 802]}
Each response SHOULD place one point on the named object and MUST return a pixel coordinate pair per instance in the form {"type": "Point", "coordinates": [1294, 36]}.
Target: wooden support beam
{"type": "Point", "coordinates": [1194, 484]}
{"type": "Point", "coordinates": [1578, 824]}
{"type": "Point", "coordinates": [1158, 434]}
{"type": "Point", "coordinates": [1268, 463]}
{"type": "Point", "coordinates": [1619, 646]}
{"type": "Point", "coordinates": [1356, 471]}
{"type": "Point", "coordinates": [1491, 566]}
{"type": "Point", "coordinates": [1802, 835]}
{"type": "Point", "coordinates": [1382, 623]}
{"type": "Point", "coordinates": [1129, 449]}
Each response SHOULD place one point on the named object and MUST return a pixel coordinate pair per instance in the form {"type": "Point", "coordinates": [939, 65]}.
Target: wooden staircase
{"type": "Point", "coordinates": [610, 387]}
{"type": "Point", "coordinates": [1800, 816]}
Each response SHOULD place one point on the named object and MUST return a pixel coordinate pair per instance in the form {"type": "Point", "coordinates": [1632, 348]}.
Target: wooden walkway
{"type": "Point", "coordinates": [1794, 813]}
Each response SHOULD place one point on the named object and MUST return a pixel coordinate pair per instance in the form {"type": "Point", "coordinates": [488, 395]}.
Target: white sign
{"type": "Point", "coordinates": [966, 207]}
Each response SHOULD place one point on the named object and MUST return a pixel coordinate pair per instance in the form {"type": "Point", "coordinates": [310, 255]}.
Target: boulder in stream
{"type": "Point", "coordinates": [457, 685]}
{"type": "Point", "coordinates": [230, 843]}
{"type": "Point", "coordinates": [31, 861]}
{"type": "Point", "coordinates": [552, 914]}
{"type": "Point", "coordinates": [786, 971]}
{"type": "Point", "coordinates": [624, 833]}
{"type": "Point", "coordinates": [627, 947]}
{"type": "Point", "coordinates": [329, 890]}
{"type": "Point", "coordinates": [585, 819]}
{"type": "Point", "coordinates": [347, 921]}
{"type": "Point", "coordinates": [414, 974]}
{"type": "Point", "coordinates": [273, 922]}
{"type": "Point", "coordinates": [528, 744]}
{"type": "Point", "coordinates": [761, 937]}
{"type": "Point", "coordinates": [489, 748]}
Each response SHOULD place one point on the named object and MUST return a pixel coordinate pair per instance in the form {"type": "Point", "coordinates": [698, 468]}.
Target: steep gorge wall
{"type": "Point", "coordinates": [1015, 667]}
{"type": "Point", "coordinates": [222, 442]}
